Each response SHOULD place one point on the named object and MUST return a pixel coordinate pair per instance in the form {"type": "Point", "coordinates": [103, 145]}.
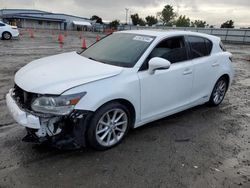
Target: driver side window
{"type": "Point", "coordinates": [172, 49]}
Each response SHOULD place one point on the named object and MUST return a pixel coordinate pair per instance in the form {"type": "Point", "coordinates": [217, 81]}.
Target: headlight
{"type": "Point", "coordinates": [56, 105]}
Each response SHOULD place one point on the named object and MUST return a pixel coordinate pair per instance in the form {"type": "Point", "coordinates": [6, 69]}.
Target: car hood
{"type": "Point", "coordinates": [56, 74]}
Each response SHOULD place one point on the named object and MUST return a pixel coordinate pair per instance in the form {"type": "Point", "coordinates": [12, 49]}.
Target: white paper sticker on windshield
{"type": "Point", "coordinates": [143, 38]}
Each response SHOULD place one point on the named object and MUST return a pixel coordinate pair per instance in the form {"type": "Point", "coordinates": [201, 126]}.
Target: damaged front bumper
{"type": "Point", "coordinates": [63, 132]}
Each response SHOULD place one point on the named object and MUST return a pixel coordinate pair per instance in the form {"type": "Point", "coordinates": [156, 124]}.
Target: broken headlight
{"type": "Point", "coordinates": [56, 105]}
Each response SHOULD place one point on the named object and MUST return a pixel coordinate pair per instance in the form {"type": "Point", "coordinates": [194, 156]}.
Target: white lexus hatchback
{"type": "Point", "coordinates": [8, 31]}
{"type": "Point", "coordinates": [124, 81]}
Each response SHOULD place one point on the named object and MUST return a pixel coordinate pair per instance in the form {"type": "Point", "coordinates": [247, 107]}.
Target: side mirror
{"type": "Point", "coordinates": [158, 63]}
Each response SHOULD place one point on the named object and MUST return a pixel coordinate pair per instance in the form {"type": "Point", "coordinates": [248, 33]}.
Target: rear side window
{"type": "Point", "coordinates": [1, 24]}
{"type": "Point", "coordinates": [209, 46]}
{"type": "Point", "coordinates": [199, 46]}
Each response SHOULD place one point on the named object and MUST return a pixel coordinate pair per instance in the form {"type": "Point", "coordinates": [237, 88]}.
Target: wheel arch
{"type": "Point", "coordinates": [225, 75]}
{"type": "Point", "coordinates": [126, 103]}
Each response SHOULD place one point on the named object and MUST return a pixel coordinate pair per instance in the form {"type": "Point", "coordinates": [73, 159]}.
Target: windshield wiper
{"type": "Point", "coordinates": [92, 58]}
{"type": "Point", "coordinates": [96, 60]}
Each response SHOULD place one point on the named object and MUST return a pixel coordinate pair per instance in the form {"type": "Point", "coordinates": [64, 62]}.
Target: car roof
{"type": "Point", "coordinates": [165, 33]}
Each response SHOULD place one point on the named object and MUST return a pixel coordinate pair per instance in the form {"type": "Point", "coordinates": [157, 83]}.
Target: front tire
{"type": "Point", "coordinates": [219, 92]}
{"type": "Point", "coordinates": [108, 127]}
{"type": "Point", "coordinates": [6, 35]}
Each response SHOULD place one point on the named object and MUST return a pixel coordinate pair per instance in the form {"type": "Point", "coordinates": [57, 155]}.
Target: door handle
{"type": "Point", "coordinates": [215, 64]}
{"type": "Point", "coordinates": [187, 71]}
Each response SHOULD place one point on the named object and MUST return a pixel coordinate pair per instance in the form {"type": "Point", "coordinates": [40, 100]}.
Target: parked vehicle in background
{"type": "Point", "coordinates": [7, 32]}
{"type": "Point", "coordinates": [124, 81]}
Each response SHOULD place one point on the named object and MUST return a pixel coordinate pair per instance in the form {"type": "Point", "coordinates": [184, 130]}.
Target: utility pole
{"type": "Point", "coordinates": [126, 15]}
{"type": "Point", "coordinates": [129, 19]}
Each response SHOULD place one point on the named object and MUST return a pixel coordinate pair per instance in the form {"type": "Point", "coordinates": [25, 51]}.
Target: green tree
{"type": "Point", "coordinates": [151, 20]}
{"type": "Point", "coordinates": [228, 24]}
{"type": "Point", "coordinates": [114, 24]}
{"type": "Point", "coordinates": [135, 19]}
{"type": "Point", "coordinates": [97, 18]}
{"type": "Point", "coordinates": [182, 21]}
{"type": "Point", "coordinates": [198, 23]}
{"type": "Point", "coordinates": [142, 22]}
{"type": "Point", "coordinates": [168, 15]}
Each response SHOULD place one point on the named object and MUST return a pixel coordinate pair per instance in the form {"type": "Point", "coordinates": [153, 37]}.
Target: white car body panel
{"type": "Point", "coordinates": [209, 68]}
{"type": "Point", "coordinates": [166, 89]}
{"type": "Point", "coordinates": [8, 28]}
{"type": "Point", "coordinates": [55, 74]}
{"type": "Point", "coordinates": [126, 86]}
{"type": "Point", "coordinates": [183, 85]}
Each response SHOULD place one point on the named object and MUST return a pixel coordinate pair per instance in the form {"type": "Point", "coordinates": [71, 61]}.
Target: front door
{"type": "Point", "coordinates": [167, 91]}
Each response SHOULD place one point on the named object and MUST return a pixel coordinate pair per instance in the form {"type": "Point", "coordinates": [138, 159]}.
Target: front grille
{"type": "Point", "coordinates": [23, 98]}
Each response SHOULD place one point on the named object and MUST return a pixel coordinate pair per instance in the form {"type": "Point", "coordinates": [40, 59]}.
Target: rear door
{"type": "Point", "coordinates": [206, 67]}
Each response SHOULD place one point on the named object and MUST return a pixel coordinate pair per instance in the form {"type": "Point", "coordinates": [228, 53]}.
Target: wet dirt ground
{"type": "Point", "coordinates": [201, 147]}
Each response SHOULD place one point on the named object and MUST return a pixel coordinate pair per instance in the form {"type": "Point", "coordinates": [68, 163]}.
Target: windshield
{"type": "Point", "coordinates": [119, 49]}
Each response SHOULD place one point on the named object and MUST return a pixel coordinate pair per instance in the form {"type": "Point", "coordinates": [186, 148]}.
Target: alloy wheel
{"type": "Point", "coordinates": [111, 127]}
{"type": "Point", "coordinates": [6, 36]}
{"type": "Point", "coordinates": [219, 91]}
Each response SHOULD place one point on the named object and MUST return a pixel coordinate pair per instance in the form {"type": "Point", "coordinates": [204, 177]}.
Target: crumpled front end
{"type": "Point", "coordinates": [63, 132]}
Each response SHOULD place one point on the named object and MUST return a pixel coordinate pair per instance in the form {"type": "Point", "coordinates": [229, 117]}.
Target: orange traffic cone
{"type": "Point", "coordinates": [60, 38]}
{"type": "Point", "coordinates": [84, 45]}
{"type": "Point", "coordinates": [97, 38]}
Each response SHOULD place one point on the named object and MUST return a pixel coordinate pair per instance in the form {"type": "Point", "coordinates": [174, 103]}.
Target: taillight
{"type": "Point", "coordinates": [231, 59]}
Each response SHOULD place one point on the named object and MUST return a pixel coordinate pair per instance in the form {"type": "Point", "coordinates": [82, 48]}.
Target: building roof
{"type": "Point", "coordinates": [35, 14]}
{"type": "Point", "coordinates": [30, 17]}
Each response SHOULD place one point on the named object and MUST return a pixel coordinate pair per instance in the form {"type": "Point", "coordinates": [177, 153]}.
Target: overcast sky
{"type": "Point", "coordinates": [213, 11]}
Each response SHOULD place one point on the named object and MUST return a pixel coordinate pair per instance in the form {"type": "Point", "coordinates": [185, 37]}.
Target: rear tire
{"type": "Point", "coordinates": [6, 35]}
{"type": "Point", "coordinates": [108, 126]}
{"type": "Point", "coordinates": [219, 92]}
